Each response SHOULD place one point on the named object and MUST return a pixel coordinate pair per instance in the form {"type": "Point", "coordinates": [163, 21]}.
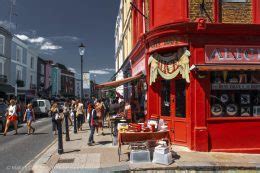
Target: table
{"type": "Point", "coordinates": [130, 137]}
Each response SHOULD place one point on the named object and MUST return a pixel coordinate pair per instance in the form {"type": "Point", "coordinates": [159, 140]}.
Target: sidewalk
{"type": "Point", "coordinates": [79, 157]}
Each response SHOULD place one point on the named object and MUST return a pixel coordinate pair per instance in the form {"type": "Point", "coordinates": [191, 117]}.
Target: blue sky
{"type": "Point", "coordinates": [57, 27]}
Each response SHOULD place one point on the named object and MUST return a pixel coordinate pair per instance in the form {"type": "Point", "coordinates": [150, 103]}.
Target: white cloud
{"type": "Point", "coordinates": [102, 71]}
{"type": "Point", "coordinates": [22, 37]}
{"type": "Point", "coordinates": [73, 70]}
{"type": "Point", "coordinates": [38, 40]}
{"type": "Point", "coordinates": [99, 72]}
{"type": "Point", "coordinates": [110, 69]}
{"type": "Point", "coordinates": [49, 46]}
{"type": "Point", "coordinates": [64, 38]}
{"type": "Point", "coordinates": [6, 24]}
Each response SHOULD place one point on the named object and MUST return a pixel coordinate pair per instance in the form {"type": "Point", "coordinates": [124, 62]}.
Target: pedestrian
{"type": "Point", "coordinates": [54, 114]}
{"type": "Point", "coordinates": [3, 108]}
{"type": "Point", "coordinates": [66, 112]}
{"type": "Point", "coordinates": [11, 115]}
{"type": "Point", "coordinates": [93, 121]}
{"type": "Point", "coordinates": [99, 110]}
{"type": "Point", "coordinates": [29, 116]}
{"type": "Point", "coordinates": [80, 114]}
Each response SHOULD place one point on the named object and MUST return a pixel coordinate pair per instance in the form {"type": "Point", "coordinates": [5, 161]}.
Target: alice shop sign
{"type": "Point", "coordinates": [234, 54]}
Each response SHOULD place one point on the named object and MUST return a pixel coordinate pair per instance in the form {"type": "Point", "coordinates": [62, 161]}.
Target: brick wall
{"type": "Point", "coordinates": [194, 10]}
{"type": "Point", "coordinates": [231, 12]}
{"type": "Point", "coordinates": [237, 12]}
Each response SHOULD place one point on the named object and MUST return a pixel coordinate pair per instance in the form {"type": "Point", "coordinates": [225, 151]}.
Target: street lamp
{"type": "Point", "coordinates": [81, 53]}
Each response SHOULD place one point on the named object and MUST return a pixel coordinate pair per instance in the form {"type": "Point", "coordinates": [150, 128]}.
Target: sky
{"type": "Point", "coordinates": [57, 27]}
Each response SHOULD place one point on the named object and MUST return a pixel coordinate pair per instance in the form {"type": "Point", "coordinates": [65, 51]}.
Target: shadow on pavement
{"type": "Point", "coordinates": [104, 142]}
{"type": "Point", "coordinates": [72, 151]}
{"type": "Point", "coordinates": [76, 139]}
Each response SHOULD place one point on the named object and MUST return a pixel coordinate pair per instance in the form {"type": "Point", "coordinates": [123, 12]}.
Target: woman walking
{"type": "Point", "coordinates": [11, 117]}
{"type": "Point", "coordinates": [29, 116]}
{"type": "Point", "coordinates": [99, 110]}
{"type": "Point", "coordinates": [80, 114]}
{"type": "Point", "coordinates": [93, 123]}
{"type": "Point", "coordinates": [54, 113]}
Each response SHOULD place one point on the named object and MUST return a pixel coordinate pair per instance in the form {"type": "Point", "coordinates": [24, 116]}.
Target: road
{"type": "Point", "coordinates": [18, 150]}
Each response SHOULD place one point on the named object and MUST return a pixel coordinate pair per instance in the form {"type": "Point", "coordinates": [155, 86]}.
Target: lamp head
{"type": "Point", "coordinates": [81, 49]}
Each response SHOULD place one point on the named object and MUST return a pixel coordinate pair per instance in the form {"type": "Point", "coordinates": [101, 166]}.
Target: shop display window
{"type": "Point", "coordinates": [235, 94]}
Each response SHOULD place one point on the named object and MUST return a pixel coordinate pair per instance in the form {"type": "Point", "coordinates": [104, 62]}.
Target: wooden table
{"type": "Point", "coordinates": [130, 137]}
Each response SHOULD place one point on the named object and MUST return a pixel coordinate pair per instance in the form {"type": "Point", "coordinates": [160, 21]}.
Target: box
{"type": "Point", "coordinates": [162, 149]}
{"type": "Point", "coordinates": [139, 156]}
{"type": "Point", "coordinates": [165, 159]}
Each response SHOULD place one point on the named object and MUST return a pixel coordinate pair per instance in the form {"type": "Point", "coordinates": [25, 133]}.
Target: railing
{"type": "Point", "coordinates": [3, 79]}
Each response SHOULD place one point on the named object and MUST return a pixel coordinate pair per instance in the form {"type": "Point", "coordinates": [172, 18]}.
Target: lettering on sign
{"type": "Point", "coordinates": [168, 42]}
{"type": "Point", "coordinates": [235, 86]}
{"type": "Point", "coordinates": [232, 54]}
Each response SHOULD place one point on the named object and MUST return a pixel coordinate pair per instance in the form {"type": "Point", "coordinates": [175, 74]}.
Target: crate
{"type": "Point", "coordinates": [140, 156]}
{"type": "Point", "coordinates": [165, 159]}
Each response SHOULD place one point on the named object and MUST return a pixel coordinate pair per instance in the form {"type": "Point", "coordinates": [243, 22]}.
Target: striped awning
{"type": "Point", "coordinates": [114, 84]}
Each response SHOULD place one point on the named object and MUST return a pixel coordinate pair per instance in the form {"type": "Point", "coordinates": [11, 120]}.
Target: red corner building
{"type": "Point", "coordinates": [202, 66]}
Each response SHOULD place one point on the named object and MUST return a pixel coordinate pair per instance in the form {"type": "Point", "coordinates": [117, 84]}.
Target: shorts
{"type": "Point", "coordinates": [30, 118]}
{"type": "Point", "coordinates": [12, 118]}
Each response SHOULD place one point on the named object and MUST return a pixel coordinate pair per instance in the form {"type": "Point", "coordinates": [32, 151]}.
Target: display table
{"type": "Point", "coordinates": [131, 137]}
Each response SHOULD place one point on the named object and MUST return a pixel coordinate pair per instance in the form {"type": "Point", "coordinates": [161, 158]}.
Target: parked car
{"type": "Point", "coordinates": [41, 106]}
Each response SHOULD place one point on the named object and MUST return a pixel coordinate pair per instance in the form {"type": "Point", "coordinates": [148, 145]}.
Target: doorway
{"type": "Point", "coordinates": [173, 109]}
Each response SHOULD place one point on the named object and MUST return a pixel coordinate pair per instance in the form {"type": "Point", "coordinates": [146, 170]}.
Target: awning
{"type": "Point", "coordinates": [220, 67]}
{"type": "Point", "coordinates": [117, 83]}
{"type": "Point", "coordinates": [6, 88]}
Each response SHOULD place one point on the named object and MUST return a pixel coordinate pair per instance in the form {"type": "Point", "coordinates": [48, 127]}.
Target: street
{"type": "Point", "coordinates": [18, 150]}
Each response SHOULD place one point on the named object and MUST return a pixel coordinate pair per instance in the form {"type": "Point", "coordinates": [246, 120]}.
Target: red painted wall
{"type": "Point", "coordinates": [167, 11]}
{"type": "Point", "coordinates": [235, 136]}
{"type": "Point", "coordinates": [256, 11]}
{"type": "Point", "coordinates": [138, 20]}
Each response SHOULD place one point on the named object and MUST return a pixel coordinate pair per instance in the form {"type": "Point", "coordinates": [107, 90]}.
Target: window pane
{"type": "Point", "coordinates": [1, 45]}
{"type": "Point", "coordinates": [165, 98]}
{"type": "Point", "coordinates": [1, 68]}
{"type": "Point", "coordinates": [180, 94]}
{"type": "Point", "coordinates": [41, 103]}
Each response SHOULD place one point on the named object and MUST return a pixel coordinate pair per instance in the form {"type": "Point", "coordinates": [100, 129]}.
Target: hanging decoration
{"type": "Point", "coordinates": [170, 67]}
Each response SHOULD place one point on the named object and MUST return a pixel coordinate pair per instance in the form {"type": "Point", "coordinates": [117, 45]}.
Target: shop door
{"type": "Point", "coordinates": [179, 121]}
{"type": "Point", "coordinates": [167, 104]}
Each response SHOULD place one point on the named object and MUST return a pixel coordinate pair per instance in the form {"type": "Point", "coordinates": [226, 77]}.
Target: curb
{"type": "Point", "coordinates": [37, 159]}
{"type": "Point", "coordinates": [42, 160]}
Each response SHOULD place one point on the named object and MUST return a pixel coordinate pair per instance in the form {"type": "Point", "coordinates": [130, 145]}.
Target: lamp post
{"type": "Point", "coordinates": [81, 53]}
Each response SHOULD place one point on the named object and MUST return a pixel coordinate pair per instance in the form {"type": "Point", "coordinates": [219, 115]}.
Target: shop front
{"type": "Point", "coordinates": [205, 84]}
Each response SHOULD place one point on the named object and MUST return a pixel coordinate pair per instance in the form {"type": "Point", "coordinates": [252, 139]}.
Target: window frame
{"type": "Point", "coordinates": [2, 36]}
{"type": "Point", "coordinates": [21, 52]}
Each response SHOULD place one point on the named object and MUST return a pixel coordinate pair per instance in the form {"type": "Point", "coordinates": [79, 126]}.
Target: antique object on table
{"type": "Point", "coordinates": [225, 73]}
{"type": "Point", "coordinates": [245, 111]}
{"type": "Point", "coordinates": [231, 109]}
{"type": "Point", "coordinates": [216, 110]}
{"type": "Point", "coordinates": [245, 99]}
{"type": "Point", "coordinates": [256, 111]}
{"type": "Point", "coordinates": [233, 80]}
{"type": "Point", "coordinates": [242, 78]}
{"type": "Point", "coordinates": [224, 98]}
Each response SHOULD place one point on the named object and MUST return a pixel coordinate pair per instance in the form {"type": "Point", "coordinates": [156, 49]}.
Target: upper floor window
{"type": "Point", "coordinates": [32, 62]}
{"type": "Point", "coordinates": [42, 69]}
{"type": "Point", "coordinates": [1, 67]}
{"type": "Point", "coordinates": [19, 53]}
{"type": "Point", "coordinates": [18, 74]}
{"type": "Point", "coordinates": [2, 44]}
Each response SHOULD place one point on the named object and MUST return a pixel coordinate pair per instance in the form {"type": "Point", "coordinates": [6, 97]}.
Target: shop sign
{"type": "Point", "coordinates": [232, 54]}
{"type": "Point", "coordinates": [169, 67]}
{"type": "Point", "coordinates": [168, 42]}
{"type": "Point", "coordinates": [139, 67]}
{"type": "Point", "coordinates": [235, 86]}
